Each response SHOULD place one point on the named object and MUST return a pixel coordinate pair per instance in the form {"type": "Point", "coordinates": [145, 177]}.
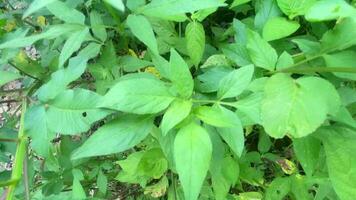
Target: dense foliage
{"type": "Point", "coordinates": [178, 99]}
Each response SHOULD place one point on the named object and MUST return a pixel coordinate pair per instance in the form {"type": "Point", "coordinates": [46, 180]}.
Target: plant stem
{"type": "Point", "coordinates": [27, 74]}
{"type": "Point", "coordinates": [8, 140]}
{"type": "Point", "coordinates": [213, 102]}
{"type": "Point", "coordinates": [19, 155]}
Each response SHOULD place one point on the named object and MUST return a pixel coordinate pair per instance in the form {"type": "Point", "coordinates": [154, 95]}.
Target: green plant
{"type": "Point", "coordinates": [180, 99]}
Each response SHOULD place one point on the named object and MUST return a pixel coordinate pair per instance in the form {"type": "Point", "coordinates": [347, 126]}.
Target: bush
{"type": "Point", "coordinates": [178, 99]}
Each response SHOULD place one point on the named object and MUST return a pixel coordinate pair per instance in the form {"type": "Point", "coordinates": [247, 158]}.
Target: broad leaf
{"type": "Point", "coordinates": [262, 54]}
{"type": "Point", "coordinates": [77, 109]}
{"type": "Point", "coordinates": [142, 29]}
{"type": "Point", "coordinates": [195, 35]}
{"type": "Point", "coordinates": [215, 116]}
{"type": "Point", "coordinates": [332, 9]}
{"type": "Point", "coordinates": [118, 4]}
{"type": "Point", "coordinates": [341, 37]}
{"type": "Point", "coordinates": [175, 9]}
{"type": "Point", "coordinates": [118, 135]}
{"type": "Point", "coordinates": [342, 59]}
{"type": "Point", "coordinates": [279, 27]}
{"type": "Point", "coordinates": [293, 8]}
{"type": "Point", "coordinates": [6, 76]}
{"type": "Point", "coordinates": [249, 109]}
{"type": "Point", "coordinates": [180, 75]}
{"type": "Point", "coordinates": [37, 129]}
{"type": "Point", "coordinates": [52, 32]}
{"type": "Point", "coordinates": [235, 82]}
{"type": "Point", "coordinates": [339, 145]}
{"type": "Point", "coordinates": [176, 113]}
{"type": "Point", "coordinates": [97, 25]}
{"type": "Point", "coordinates": [307, 150]}
{"type": "Point", "coordinates": [73, 44]}
{"type": "Point", "coordinates": [65, 13]}
{"type": "Point", "coordinates": [61, 78]}
{"type": "Point", "coordinates": [234, 135]}
{"type": "Point", "coordinates": [140, 96]}
{"type": "Point", "coordinates": [267, 9]}
{"type": "Point", "coordinates": [238, 2]}
{"type": "Point", "coordinates": [35, 6]}
{"type": "Point", "coordinates": [291, 106]}
{"type": "Point", "coordinates": [192, 154]}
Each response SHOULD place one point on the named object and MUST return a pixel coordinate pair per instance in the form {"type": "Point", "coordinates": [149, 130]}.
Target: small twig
{"type": "Point", "coordinates": [4, 194]}
{"type": "Point", "coordinates": [8, 140]}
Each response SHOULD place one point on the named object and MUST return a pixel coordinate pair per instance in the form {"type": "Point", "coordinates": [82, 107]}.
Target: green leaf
{"type": "Point", "coordinates": [180, 75]}
{"type": "Point", "coordinates": [97, 25]}
{"type": "Point", "coordinates": [236, 3]}
{"type": "Point", "coordinates": [61, 78]}
{"type": "Point", "coordinates": [6, 76]}
{"type": "Point", "coordinates": [53, 31]}
{"type": "Point", "coordinates": [341, 37]}
{"type": "Point", "coordinates": [65, 13]}
{"type": "Point", "coordinates": [234, 135]}
{"type": "Point", "coordinates": [140, 96]}
{"type": "Point", "coordinates": [249, 109]}
{"type": "Point", "coordinates": [279, 27]}
{"type": "Point", "coordinates": [102, 182]}
{"type": "Point", "coordinates": [339, 145]}
{"type": "Point", "coordinates": [332, 9]}
{"type": "Point", "coordinates": [342, 59]}
{"type": "Point", "coordinates": [35, 6]}
{"type": "Point", "coordinates": [192, 154]}
{"type": "Point", "coordinates": [73, 44]}
{"type": "Point", "coordinates": [262, 54]}
{"type": "Point", "coordinates": [176, 113]}
{"type": "Point", "coordinates": [129, 172]}
{"type": "Point", "coordinates": [78, 191]}
{"type": "Point", "coordinates": [118, 4]}
{"type": "Point", "coordinates": [278, 189]}
{"type": "Point", "coordinates": [195, 35]}
{"type": "Point", "coordinates": [307, 150]}
{"type": "Point", "coordinates": [132, 64]}
{"type": "Point", "coordinates": [142, 29]}
{"type": "Point", "coordinates": [291, 106]}
{"type": "Point", "coordinates": [118, 135]}
{"type": "Point", "coordinates": [153, 164]}
{"type": "Point", "coordinates": [235, 82]}
{"type": "Point", "coordinates": [37, 129]}
{"type": "Point", "coordinates": [266, 10]}
{"type": "Point", "coordinates": [215, 116]}
{"type": "Point", "coordinates": [175, 9]}
{"type": "Point", "coordinates": [293, 8]}
{"type": "Point", "coordinates": [77, 109]}
{"type": "Point", "coordinates": [285, 60]}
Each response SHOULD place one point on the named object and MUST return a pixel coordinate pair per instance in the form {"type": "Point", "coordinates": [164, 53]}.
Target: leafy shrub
{"type": "Point", "coordinates": [179, 99]}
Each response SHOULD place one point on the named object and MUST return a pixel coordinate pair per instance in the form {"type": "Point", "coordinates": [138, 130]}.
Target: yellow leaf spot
{"type": "Point", "coordinates": [41, 21]}
{"type": "Point", "coordinates": [154, 71]}
{"type": "Point", "coordinates": [21, 57]}
{"type": "Point", "coordinates": [287, 166]}
{"type": "Point", "coordinates": [132, 53]}
{"type": "Point", "coordinates": [10, 25]}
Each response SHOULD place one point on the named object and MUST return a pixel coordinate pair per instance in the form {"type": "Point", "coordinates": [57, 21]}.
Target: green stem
{"type": "Point", "coordinates": [19, 155]}
{"type": "Point", "coordinates": [8, 183]}
{"type": "Point", "coordinates": [213, 102]}
{"type": "Point", "coordinates": [8, 140]}
{"type": "Point", "coordinates": [20, 70]}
